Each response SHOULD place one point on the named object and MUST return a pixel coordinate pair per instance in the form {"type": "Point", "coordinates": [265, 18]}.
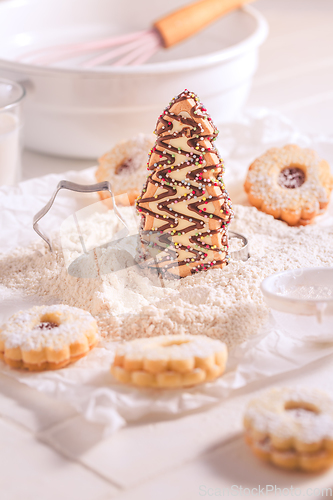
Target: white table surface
{"type": "Point", "coordinates": [58, 455]}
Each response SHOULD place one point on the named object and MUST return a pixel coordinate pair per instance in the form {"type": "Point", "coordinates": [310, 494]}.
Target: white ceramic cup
{"type": "Point", "coordinates": [11, 95]}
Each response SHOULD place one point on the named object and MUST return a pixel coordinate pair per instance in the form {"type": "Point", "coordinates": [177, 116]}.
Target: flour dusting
{"type": "Point", "coordinates": [222, 303]}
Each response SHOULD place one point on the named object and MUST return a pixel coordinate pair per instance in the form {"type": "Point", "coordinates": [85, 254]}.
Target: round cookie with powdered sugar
{"type": "Point", "coordinates": [125, 167]}
{"type": "Point", "coordinates": [170, 361]}
{"type": "Point", "coordinates": [290, 183]}
{"type": "Point", "coordinates": [292, 428]}
{"type": "Point", "coordinates": [47, 337]}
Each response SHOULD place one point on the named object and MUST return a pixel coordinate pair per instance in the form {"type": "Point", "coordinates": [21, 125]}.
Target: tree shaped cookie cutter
{"type": "Point", "coordinates": [242, 253]}
{"type": "Point", "coordinates": [79, 188]}
{"type": "Point", "coordinates": [80, 268]}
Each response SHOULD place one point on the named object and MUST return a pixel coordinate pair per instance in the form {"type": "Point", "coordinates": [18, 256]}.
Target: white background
{"type": "Point", "coordinates": [59, 455]}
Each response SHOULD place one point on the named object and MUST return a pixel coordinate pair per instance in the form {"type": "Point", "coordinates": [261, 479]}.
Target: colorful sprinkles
{"type": "Point", "coordinates": [186, 170]}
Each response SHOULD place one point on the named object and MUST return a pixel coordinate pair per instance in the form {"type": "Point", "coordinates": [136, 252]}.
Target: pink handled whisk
{"type": "Point", "coordinates": [137, 48]}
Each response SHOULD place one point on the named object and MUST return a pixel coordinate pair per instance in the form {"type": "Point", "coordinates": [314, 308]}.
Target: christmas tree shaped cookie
{"type": "Point", "coordinates": [184, 207]}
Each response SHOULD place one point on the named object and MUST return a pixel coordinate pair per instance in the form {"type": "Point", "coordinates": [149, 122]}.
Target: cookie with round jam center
{"type": "Point", "coordinates": [290, 183]}
{"type": "Point", "coordinates": [47, 337]}
{"type": "Point", "coordinates": [291, 428]}
{"type": "Point", "coordinates": [291, 177]}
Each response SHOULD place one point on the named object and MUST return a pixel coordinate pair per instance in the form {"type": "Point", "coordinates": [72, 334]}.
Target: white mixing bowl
{"type": "Point", "coordinates": [83, 112]}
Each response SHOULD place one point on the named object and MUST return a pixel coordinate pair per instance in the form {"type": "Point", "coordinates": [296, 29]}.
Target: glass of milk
{"type": "Point", "coordinates": [11, 96]}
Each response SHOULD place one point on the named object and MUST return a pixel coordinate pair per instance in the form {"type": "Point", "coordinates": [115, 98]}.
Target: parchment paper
{"type": "Point", "coordinates": [88, 385]}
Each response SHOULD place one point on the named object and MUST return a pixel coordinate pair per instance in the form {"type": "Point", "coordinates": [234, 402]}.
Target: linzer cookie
{"type": "Point", "coordinates": [125, 167]}
{"type": "Point", "coordinates": [170, 361]}
{"type": "Point", "coordinates": [47, 337]}
{"type": "Point", "coordinates": [290, 183]}
{"type": "Point", "coordinates": [292, 428]}
{"type": "Point", "coordinates": [184, 206]}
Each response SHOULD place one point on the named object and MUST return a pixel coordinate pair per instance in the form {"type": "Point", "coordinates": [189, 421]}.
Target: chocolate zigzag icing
{"type": "Point", "coordinates": [185, 184]}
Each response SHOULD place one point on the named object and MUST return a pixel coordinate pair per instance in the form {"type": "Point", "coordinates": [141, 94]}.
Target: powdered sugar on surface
{"type": "Point", "coordinates": [235, 244]}
{"type": "Point", "coordinates": [22, 329]}
{"type": "Point", "coordinates": [222, 303]}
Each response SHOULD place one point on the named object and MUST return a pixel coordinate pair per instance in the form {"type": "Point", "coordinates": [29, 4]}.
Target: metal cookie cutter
{"type": "Point", "coordinates": [243, 253]}
{"type": "Point", "coordinates": [85, 266]}
{"type": "Point", "coordinates": [79, 188]}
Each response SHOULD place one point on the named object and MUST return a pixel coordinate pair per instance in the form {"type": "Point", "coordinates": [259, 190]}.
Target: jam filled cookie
{"type": "Point", "coordinates": [125, 166]}
{"type": "Point", "coordinates": [292, 428]}
{"type": "Point", "coordinates": [290, 183]}
{"type": "Point", "coordinates": [170, 361]}
{"type": "Point", "coordinates": [47, 337]}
